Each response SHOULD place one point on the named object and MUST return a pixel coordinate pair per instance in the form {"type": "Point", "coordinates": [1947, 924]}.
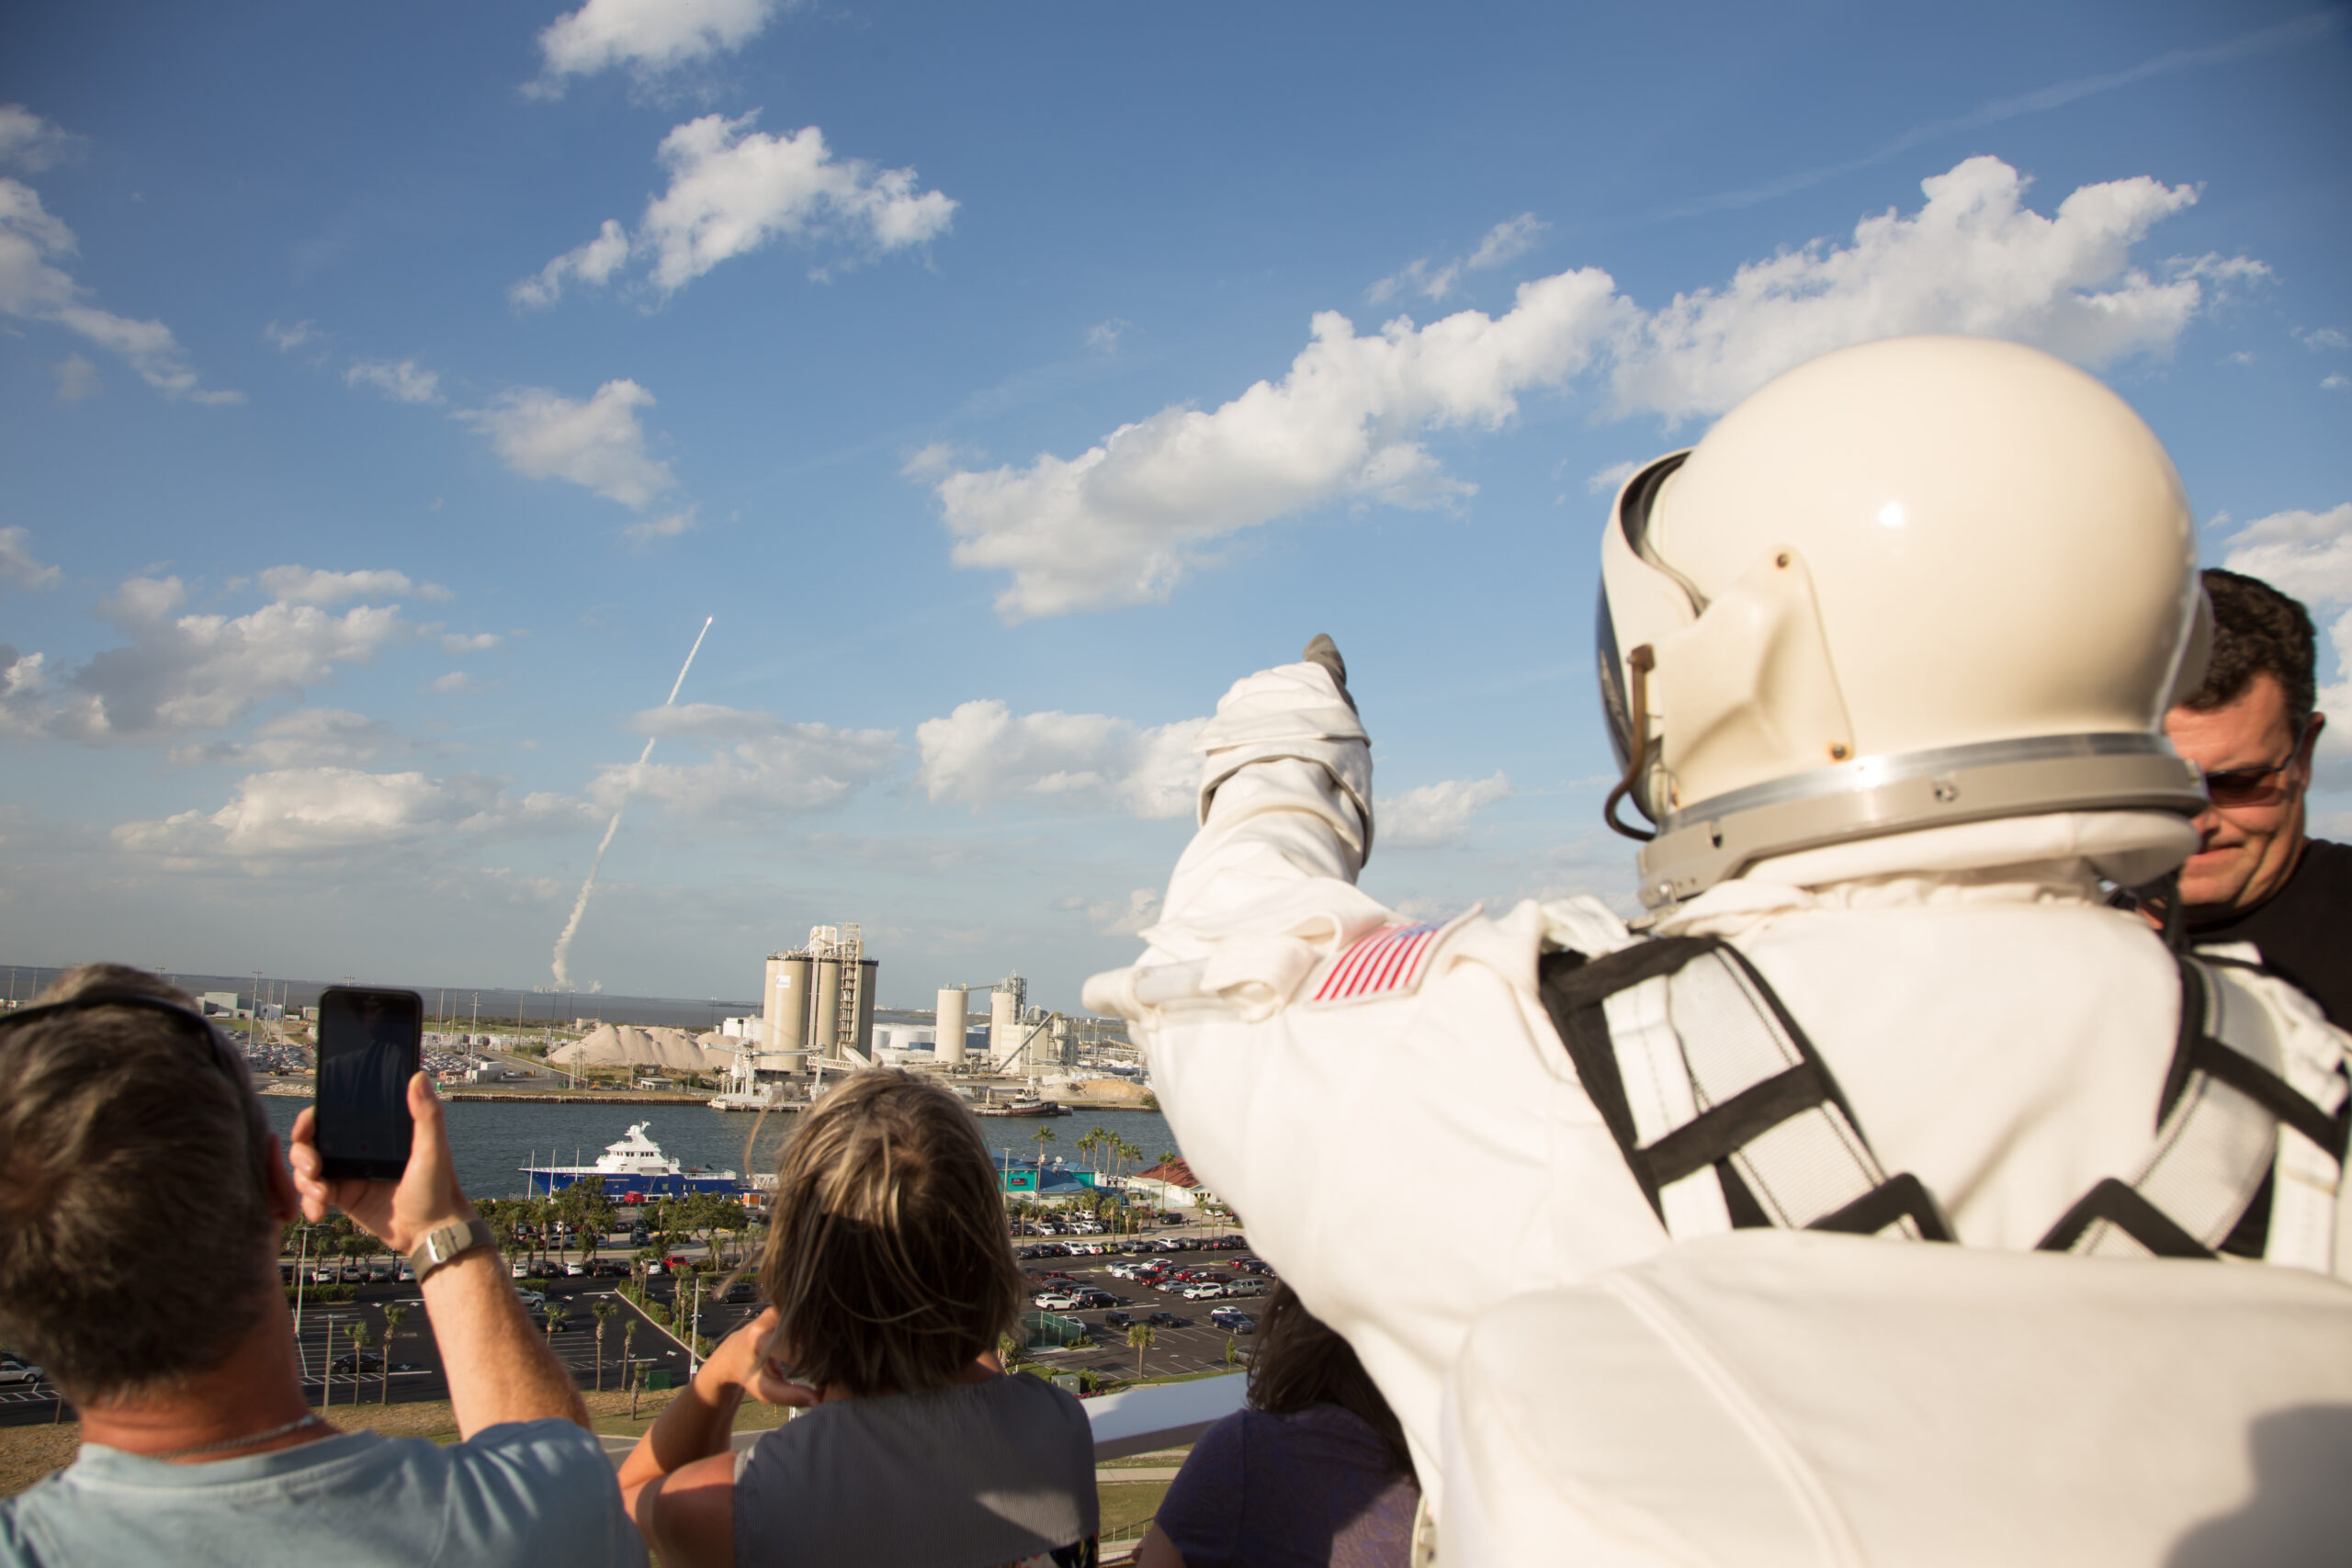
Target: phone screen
{"type": "Point", "coordinates": [370, 1043]}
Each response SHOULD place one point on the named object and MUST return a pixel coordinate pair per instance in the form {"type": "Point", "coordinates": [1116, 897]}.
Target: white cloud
{"type": "Point", "coordinates": [777, 769]}
{"type": "Point", "coordinates": [2307, 554]}
{"type": "Point", "coordinates": [1609, 479]}
{"type": "Point", "coordinates": [331, 811]}
{"type": "Point", "coordinates": [2324, 338]}
{"type": "Point", "coordinates": [469, 642]}
{"type": "Point", "coordinates": [1506, 242]}
{"type": "Point", "coordinates": [1128, 918]}
{"type": "Point", "coordinates": [457, 683]}
{"type": "Point", "coordinates": [310, 585]}
{"type": "Point", "coordinates": [306, 737]}
{"type": "Point", "coordinates": [34, 288]}
{"type": "Point", "coordinates": [651, 35]}
{"type": "Point", "coordinates": [598, 444]}
{"type": "Point", "coordinates": [1972, 260]}
{"type": "Point", "coordinates": [1103, 336]}
{"type": "Point", "coordinates": [1125, 521]}
{"type": "Point", "coordinates": [732, 190]}
{"type": "Point", "coordinates": [29, 142]}
{"type": "Point", "coordinates": [1435, 814]}
{"type": "Point", "coordinates": [184, 672]}
{"type": "Point", "coordinates": [2335, 383]}
{"type": "Point", "coordinates": [287, 339]}
{"type": "Point", "coordinates": [17, 568]}
{"type": "Point", "coordinates": [76, 378]}
{"type": "Point", "coordinates": [402, 382]}
{"type": "Point", "coordinates": [668, 526]}
{"type": "Point", "coordinates": [983, 755]}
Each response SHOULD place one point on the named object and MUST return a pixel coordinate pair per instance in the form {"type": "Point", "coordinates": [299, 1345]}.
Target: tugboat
{"type": "Point", "coordinates": [635, 1164]}
{"type": "Point", "coordinates": [1027, 1102]}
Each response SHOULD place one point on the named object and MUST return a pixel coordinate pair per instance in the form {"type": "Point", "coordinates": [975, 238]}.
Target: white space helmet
{"type": "Point", "coordinates": [1925, 581]}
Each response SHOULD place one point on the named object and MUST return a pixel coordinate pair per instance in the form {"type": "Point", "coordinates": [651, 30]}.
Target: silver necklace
{"type": "Point", "coordinates": [312, 1419]}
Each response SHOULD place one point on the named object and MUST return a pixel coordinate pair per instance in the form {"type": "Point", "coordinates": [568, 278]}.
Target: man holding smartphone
{"type": "Point", "coordinates": [141, 1196]}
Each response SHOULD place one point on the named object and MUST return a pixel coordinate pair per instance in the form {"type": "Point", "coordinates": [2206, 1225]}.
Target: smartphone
{"type": "Point", "coordinates": [370, 1043]}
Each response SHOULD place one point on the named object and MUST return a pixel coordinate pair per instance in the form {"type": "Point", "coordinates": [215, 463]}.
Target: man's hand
{"type": "Point", "coordinates": [398, 1214]}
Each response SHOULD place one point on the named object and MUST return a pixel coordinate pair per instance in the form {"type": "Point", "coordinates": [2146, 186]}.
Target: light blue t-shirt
{"type": "Point", "coordinates": [534, 1493]}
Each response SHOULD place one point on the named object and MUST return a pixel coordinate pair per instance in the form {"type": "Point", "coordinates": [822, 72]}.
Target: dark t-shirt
{"type": "Point", "coordinates": [2304, 930]}
{"type": "Point", "coordinates": [1306, 1490]}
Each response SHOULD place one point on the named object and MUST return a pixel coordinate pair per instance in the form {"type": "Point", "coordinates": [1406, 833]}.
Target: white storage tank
{"type": "Point", "coordinates": [827, 1036]}
{"type": "Point", "coordinates": [950, 1026]}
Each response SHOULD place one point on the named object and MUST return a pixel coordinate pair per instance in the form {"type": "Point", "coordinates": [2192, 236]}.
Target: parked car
{"type": "Point", "coordinates": [323, 1276]}
{"type": "Point", "coordinates": [1117, 1319]}
{"type": "Point", "coordinates": [652, 1269]}
{"type": "Point", "coordinates": [1246, 1287]}
{"type": "Point", "coordinates": [1208, 1291]}
{"type": "Point", "coordinates": [360, 1362]}
{"type": "Point", "coordinates": [12, 1371]}
{"type": "Point", "coordinates": [352, 1274]}
{"type": "Point", "coordinates": [522, 1269]}
{"type": "Point", "coordinates": [575, 1269]}
{"type": "Point", "coordinates": [407, 1274]}
{"type": "Point", "coordinates": [1234, 1320]}
{"type": "Point", "coordinates": [1055, 1300]}
{"type": "Point", "coordinates": [533, 1298]}
{"type": "Point", "coordinates": [1090, 1299]}
{"type": "Point", "coordinates": [1166, 1320]}
{"type": "Point", "coordinates": [742, 1291]}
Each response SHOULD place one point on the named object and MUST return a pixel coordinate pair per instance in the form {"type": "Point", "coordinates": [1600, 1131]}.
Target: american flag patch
{"type": "Point", "coordinates": [1386, 959]}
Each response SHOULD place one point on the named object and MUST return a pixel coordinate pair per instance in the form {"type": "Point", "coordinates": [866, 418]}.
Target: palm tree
{"type": "Point", "coordinates": [394, 1317]}
{"type": "Point", "coordinates": [601, 1312]}
{"type": "Point", "coordinates": [361, 1336]}
{"type": "Point", "coordinates": [1041, 1137]}
{"type": "Point", "coordinates": [1007, 1350]}
{"type": "Point", "coordinates": [629, 1373]}
{"type": "Point", "coordinates": [556, 1313]}
{"type": "Point", "coordinates": [1140, 1336]}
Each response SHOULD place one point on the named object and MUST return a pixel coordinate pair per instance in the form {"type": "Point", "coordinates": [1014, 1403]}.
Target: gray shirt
{"type": "Point", "coordinates": [531, 1494]}
{"type": "Point", "coordinates": [972, 1476]}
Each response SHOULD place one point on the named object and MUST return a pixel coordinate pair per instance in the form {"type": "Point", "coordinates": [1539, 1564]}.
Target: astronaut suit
{"type": "Point", "coordinates": [1908, 621]}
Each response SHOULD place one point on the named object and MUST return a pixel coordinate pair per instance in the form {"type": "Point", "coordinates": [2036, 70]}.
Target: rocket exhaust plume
{"type": "Point", "coordinates": [580, 906]}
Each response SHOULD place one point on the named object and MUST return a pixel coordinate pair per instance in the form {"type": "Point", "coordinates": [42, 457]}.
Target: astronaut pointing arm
{"type": "Point", "coordinates": [1339, 1074]}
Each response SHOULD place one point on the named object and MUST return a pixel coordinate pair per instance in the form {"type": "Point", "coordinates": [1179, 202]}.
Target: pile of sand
{"type": "Point", "coordinates": [1101, 1091]}
{"type": "Point", "coordinates": [625, 1045]}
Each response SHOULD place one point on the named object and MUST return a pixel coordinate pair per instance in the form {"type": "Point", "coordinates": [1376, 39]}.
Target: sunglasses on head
{"type": "Point", "coordinates": [192, 1027]}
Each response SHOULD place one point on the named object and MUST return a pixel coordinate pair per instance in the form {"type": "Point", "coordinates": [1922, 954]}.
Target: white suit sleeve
{"type": "Point", "coordinates": [1266, 889]}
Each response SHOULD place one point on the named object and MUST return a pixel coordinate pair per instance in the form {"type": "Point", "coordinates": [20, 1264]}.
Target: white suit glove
{"type": "Point", "coordinates": [1302, 711]}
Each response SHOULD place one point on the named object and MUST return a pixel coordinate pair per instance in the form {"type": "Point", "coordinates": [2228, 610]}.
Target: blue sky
{"type": "Point", "coordinates": [386, 397]}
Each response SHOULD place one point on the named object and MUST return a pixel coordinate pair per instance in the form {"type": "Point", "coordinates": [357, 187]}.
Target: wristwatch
{"type": "Point", "coordinates": [441, 1245]}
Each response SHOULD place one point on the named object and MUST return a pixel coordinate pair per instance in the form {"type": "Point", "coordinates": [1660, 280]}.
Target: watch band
{"type": "Point", "coordinates": [446, 1243]}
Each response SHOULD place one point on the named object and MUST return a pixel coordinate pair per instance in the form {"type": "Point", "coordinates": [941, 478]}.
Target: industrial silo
{"type": "Point", "coordinates": [1004, 1025]}
{"type": "Point", "coordinates": [828, 1035]}
{"type": "Point", "coordinates": [864, 980]}
{"type": "Point", "coordinates": [784, 1026]}
{"type": "Point", "coordinates": [951, 1027]}
{"type": "Point", "coordinates": [1065, 1043]}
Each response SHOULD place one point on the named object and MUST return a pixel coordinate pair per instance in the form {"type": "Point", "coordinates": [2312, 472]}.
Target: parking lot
{"type": "Point", "coordinates": [1191, 1344]}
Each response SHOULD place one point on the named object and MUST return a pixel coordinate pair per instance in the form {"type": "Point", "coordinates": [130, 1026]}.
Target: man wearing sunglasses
{"type": "Point", "coordinates": [141, 1193]}
{"type": "Point", "coordinates": [2252, 726]}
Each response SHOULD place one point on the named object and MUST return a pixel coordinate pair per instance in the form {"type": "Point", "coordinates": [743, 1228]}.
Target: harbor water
{"type": "Point", "coordinates": [492, 1140]}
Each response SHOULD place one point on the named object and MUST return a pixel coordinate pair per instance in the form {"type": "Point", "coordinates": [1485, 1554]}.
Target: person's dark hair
{"type": "Point", "coordinates": [888, 1259]}
{"type": "Point", "coordinates": [2258, 630]}
{"type": "Point", "coordinates": [136, 1236]}
{"type": "Point", "coordinates": [1300, 1361]}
